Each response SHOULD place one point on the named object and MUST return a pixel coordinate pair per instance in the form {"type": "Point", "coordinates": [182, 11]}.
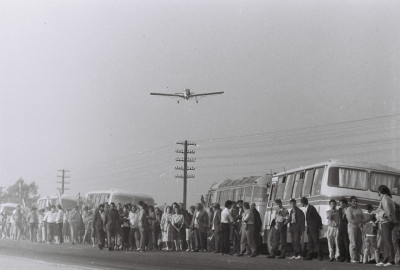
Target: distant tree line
{"type": "Point", "coordinates": [21, 193]}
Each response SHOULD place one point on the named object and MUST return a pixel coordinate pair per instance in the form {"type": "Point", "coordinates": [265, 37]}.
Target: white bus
{"type": "Point", "coordinates": [334, 179]}
{"type": "Point", "coordinates": [94, 198]}
{"type": "Point", "coordinates": [44, 202]}
{"type": "Point", "coordinates": [253, 189]}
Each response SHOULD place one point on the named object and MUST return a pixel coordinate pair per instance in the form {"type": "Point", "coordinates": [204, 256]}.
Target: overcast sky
{"type": "Point", "coordinates": [304, 81]}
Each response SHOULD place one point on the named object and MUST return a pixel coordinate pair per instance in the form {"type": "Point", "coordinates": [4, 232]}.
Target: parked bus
{"type": "Point", "coordinates": [253, 189]}
{"type": "Point", "coordinates": [334, 179]}
{"type": "Point", "coordinates": [8, 208]}
{"type": "Point", "coordinates": [94, 198]}
{"type": "Point", "coordinates": [70, 201]}
{"type": "Point", "coordinates": [44, 202]}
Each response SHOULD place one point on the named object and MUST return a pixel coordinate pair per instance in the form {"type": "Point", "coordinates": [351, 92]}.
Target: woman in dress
{"type": "Point", "coordinates": [167, 229]}
{"type": "Point", "coordinates": [179, 231]}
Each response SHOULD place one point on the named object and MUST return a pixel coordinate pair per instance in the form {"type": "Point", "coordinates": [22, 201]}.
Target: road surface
{"type": "Point", "coordinates": [27, 255]}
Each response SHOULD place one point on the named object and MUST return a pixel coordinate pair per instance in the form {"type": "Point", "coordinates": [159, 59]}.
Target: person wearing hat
{"type": "Point", "coordinates": [281, 219]}
{"type": "Point", "coordinates": [296, 228]}
{"type": "Point", "coordinates": [314, 225]}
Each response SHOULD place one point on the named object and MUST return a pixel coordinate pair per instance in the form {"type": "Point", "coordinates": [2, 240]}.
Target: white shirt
{"type": "Point", "coordinates": [226, 216]}
{"type": "Point", "coordinates": [60, 216]}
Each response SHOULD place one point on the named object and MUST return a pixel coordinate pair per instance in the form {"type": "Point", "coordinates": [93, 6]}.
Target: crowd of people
{"type": "Point", "coordinates": [352, 235]}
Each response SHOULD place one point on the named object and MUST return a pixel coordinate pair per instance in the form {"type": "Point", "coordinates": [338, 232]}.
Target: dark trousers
{"type": "Point", "coordinates": [200, 239]}
{"type": "Point", "coordinates": [101, 236]}
{"type": "Point", "coordinates": [33, 229]}
{"type": "Point", "coordinates": [218, 241]}
{"type": "Point", "coordinates": [135, 238]}
{"type": "Point", "coordinates": [50, 231]}
{"type": "Point", "coordinates": [60, 232]}
{"type": "Point", "coordinates": [296, 238]}
{"type": "Point", "coordinates": [143, 236]}
{"type": "Point", "coordinates": [225, 238]}
{"type": "Point", "coordinates": [125, 237]}
{"type": "Point", "coordinates": [313, 242]}
{"type": "Point", "coordinates": [280, 239]}
{"type": "Point", "coordinates": [387, 229]}
{"type": "Point", "coordinates": [344, 243]}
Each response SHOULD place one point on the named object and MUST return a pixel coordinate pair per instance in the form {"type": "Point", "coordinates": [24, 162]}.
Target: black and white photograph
{"type": "Point", "coordinates": [199, 134]}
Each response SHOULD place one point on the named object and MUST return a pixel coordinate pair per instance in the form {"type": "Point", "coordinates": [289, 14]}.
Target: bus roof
{"type": "Point", "coordinates": [244, 181]}
{"type": "Point", "coordinates": [115, 191]}
{"type": "Point", "coordinates": [11, 204]}
{"type": "Point", "coordinates": [345, 163]}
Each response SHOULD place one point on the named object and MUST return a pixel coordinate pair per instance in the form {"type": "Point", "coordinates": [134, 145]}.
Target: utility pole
{"type": "Point", "coordinates": [63, 182]}
{"type": "Point", "coordinates": [185, 167]}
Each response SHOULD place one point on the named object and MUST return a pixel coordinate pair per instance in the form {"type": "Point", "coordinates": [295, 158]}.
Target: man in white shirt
{"type": "Point", "coordinates": [50, 217]}
{"type": "Point", "coordinates": [226, 220]}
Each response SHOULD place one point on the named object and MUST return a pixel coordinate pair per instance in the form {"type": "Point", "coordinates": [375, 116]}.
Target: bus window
{"type": "Point", "coordinates": [389, 180]}
{"type": "Point", "coordinates": [289, 187]}
{"type": "Point", "coordinates": [219, 197]}
{"type": "Point", "coordinates": [316, 187]}
{"type": "Point", "coordinates": [259, 194]}
{"type": "Point", "coordinates": [347, 178]}
{"type": "Point", "coordinates": [308, 181]}
{"type": "Point", "coordinates": [96, 200]}
{"type": "Point", "coordinates": [247, 195]}
{"type": "Point", "coordinates": [281, 187]}
{"type": "Point", "coordinates": [298, 184]}
{"type": "Point", "coordinates": [272, 196]}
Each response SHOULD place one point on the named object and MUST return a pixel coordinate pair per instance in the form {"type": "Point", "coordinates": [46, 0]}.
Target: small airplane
{"type": "Point", "coordinates": [187, 95]}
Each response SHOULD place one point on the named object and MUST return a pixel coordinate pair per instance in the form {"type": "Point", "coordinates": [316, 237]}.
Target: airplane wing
{"type": "Point", "coordinates": [168, 95]}
{"type": "Point", "coordinates": [206, 94]}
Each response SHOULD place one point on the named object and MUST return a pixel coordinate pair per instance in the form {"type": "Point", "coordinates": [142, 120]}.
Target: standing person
{"type": "Point", "coordinates": [370, 229]}
{"type": "Point", "coordinates": [167, 229]}
{"type": "Point", "coordinates": [355, 217]}
{"type": "Point", "coordinates": [387, 218]}
{"type": "Point", "coordinates": [112, 225]}
{"type": "Point", "coordinates": [151, 220]}
{"type": "Point", "coordinates": [125, 226]}
{"type": "Point", "coordinates": [134, 233]}
{"type": "Point", "coordinates": [314, 225]}
{"type": "Point", "coordinates": [33, 223]}
{"type": "Point", "coordinates": [66, 227]}
{"type": "Point", "coordinates": [199, 226]}
{"type": "Point", "coordinates": [216, 227]}
{"type": "Point", "coordinates": [234, 230]}
{"type": "Point", "coordinates": [210, 233]}
{"type": "Point", "coordinates": [296, 228]}
{"type": "Point", "coordinates": [178, 223]}
{"type": "Point", "coordinates": [50, 217]}
{"type": "Point", "coordinates": [17, 216]}
{"type": "Point", "coordinates": [257, 226]}
{"type": "Point", "coordinates": [226, 220]}
{"type": "Point", "coordinates": [281, 219]}
{"type": "Point", "coordinates": [332, 234]}
{"type": "Point", "coordinates": [247, 243]}
{"type": "Point", "coordinates": [59, 225]}
{"type": "Point", "coordinates": [40, 232]}
{"type": "Point", "coordinates": [74, 219]}
{"type": "Point", "coordinates": [189, 232]}
{"type": "Point", "coordinates": [98, 225]}
{"type": "Point", "coordinates": [343, 233]}
{"type": "Point", "coordinates": [157, 228]}
{"type": "Point", "coordinates": [142, 226]}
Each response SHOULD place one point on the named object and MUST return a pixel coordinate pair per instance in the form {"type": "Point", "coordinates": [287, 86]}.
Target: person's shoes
{"type": "Point", "coordinates": [271, 257]}
{"type": "Point", "coordinates": [281, 257]}
{"type": "Point", "coordinates": [388, 264]}
{"type": "Point", "coordinates": [298, 257]}
{"type": "Point", "coordinates": [331, 259]}
{"type": "Point", "coordinates": [293, 257]}
{"type": "Point", "coordinates": [196, 250]}
{"type": "Point", "coordinates": [253, 255]}
{"type": "Point", "coordinates": [354, 261]}
{"type": "Point", "coordinates": [308, 258]}
{"type": "Point", "coordinates": [348, 260]}
{"type": "Point", "coordinates": [240, 255]}
{"type": "Point", "coordinates": [380, 264]}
